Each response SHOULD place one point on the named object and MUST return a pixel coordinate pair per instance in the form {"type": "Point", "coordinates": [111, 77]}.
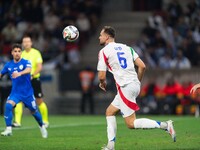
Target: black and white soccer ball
{"type": "Point", "coordinates": [70, 33]}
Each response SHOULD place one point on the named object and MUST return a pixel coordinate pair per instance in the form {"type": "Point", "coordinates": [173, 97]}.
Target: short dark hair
{"type": "Point", "coordinates": [109, 30]}
{"type": "Point", "coordinates": [16, 45]}
{"type": "Point", "coordinates": [27, 36]}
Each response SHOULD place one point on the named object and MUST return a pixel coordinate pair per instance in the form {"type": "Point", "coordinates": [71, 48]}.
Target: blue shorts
{"type": "Point", "coordinates": [29, 102]}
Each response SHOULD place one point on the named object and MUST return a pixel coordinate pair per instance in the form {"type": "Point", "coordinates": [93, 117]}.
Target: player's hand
{"type": "Point", "coordinates": [16, 74]}
{"type": "Point", "coordinates": [193, 89]}
{"type": "Point", "coordinates": [103, 86]}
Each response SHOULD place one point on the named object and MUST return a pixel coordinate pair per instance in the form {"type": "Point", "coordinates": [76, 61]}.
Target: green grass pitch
{"type": "Point", "coordinates": [89, 133]}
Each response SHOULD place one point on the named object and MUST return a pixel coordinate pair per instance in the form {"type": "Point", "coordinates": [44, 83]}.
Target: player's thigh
{"type": "Point", "coordinates": [30, 103]}
{"type": "Point", "coordinates": [13, 99]}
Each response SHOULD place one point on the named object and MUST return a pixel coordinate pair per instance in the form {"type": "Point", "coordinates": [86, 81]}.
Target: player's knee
{"type": "Point", "coordinates": [9, 106]}
{"type": "Point", "coordinates": [33, 112]}
{"type": "Point", "coordinates": [109, 112]}
{"type": "Point", "coordinates": [130, 125]}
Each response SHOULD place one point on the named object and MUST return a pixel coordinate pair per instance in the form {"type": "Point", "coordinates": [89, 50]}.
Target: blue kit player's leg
{"type": "Point", "coordinates": [31, 105]}
{"type": "Point", "coordinates": [8, 114]}
{"type": "Point", "coordinates": [8, 119]}
{"type": "Point", "coordinates": [37, 117]}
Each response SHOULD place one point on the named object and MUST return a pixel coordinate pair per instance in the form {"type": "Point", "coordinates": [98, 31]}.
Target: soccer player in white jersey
{"type": "Point", "coordinates": [19, 70]}
{"type": "Point", "coordinates": [120, 60]}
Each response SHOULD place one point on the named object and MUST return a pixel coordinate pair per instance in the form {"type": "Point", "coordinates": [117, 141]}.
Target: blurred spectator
{"type": "Point", "coordinates": [170, 92]}
{"type": "Point", "coordinates": [51, 47]}
{"type": "Point", "coordinates": [197, 56]}
{"type": "Point", "coordinates": [67, 17]}
{"type": "Point", "coordinates": [149, 32]}
{"type": "Point", "coordinates": [14, 11]}
{"type": "Point", "coordinates": [180, 61]}
{"type": "Point", "coordinates": [174, 10]}
{"type": "Point", "coordinates": [186, 99]}
{"type": "Point", "coordinates": [32, 12]}
{"type": "Point", "coordinates": [22, 27]}
{"type": "Point", "coordinates": [150, 95]}
{"type": "Point", "coordinates": [92, 10]}
{"type": "Point", "coordinates": [155, 20]}
{"type": "Point", "coordinates": [165, 62]}
{"type": "Point", "coordinates": [51, 21]}
{"type": "Point", "coordinates": [84, 27]}
{"type": "Point", "coordinates": [9, 32]}
{"type": "Point", "coordinates": [86, 79]}
{"type": "Point", "coordinates": [181, 26]}
{"type": "Point", "coordinates": [72, 50]}
{"type": "Point", "coordinates": [191, 8]}
{"type": "Point", "coordinates": [176, 42]}
{"type": "Point", "coordinates": [6, 47]}
{"type": "Point", "coordinates": [166, 32]}
{"type": "Point", "coordinates": [45, 7]}
{"type": "Point", "coordinates": [159, 46]}
{"type": "Point", "coordinates": [38, 41]}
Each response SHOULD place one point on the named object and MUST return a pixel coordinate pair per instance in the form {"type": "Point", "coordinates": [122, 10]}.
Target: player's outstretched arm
{"type": "Point", "coordinates": [194, 88]}
{"type": "Point", "coordinates": [25, 71]}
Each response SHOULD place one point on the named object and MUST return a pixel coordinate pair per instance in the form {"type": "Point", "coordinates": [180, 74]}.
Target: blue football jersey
{"type": "Point", "coordinates": [21, 86]}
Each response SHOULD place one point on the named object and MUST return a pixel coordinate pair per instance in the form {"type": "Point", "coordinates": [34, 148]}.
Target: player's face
{"type": "Point", "coordinates": [27, 43]}
{"type": "Point", "coordinates": [16, 53]}
{"type": "Point", "coordinates": [103, 38]}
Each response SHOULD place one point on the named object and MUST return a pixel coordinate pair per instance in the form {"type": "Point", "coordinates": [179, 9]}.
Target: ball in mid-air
{"type": "Point", "coordinates": [70, 33]}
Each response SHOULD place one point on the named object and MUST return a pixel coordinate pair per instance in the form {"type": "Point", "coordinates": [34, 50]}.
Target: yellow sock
{"type": "Point", "coordinates": [18, 113]}
{"type": "Point", "coordinates": [44, 112]}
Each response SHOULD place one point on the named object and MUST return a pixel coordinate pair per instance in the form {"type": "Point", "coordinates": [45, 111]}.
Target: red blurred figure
{"type": "Point", "coordinates": [186, 100]}
{"type": "Point", "coordinates": [170, 93]}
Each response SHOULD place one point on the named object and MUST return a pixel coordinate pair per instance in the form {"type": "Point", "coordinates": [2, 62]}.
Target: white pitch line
{"type": "Point", "coordinates": [60, 126]}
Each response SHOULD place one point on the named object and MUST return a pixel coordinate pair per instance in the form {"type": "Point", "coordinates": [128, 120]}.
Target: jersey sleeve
{"type": "Point", "coordinates": [5, 69]}
{"type": "Point", "coordinates": [101, 62]}
{"type": "Point", "coordinates": [28, 64]}
{"type": "Point", "coordinates": [135, 55]}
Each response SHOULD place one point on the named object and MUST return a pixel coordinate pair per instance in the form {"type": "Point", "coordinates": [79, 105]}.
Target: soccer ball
{"type": "Point", "coordinates": [70, 33]}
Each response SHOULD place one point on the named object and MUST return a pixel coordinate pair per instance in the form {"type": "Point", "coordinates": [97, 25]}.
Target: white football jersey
{"type": "Point", "coordinates": [118, 59]}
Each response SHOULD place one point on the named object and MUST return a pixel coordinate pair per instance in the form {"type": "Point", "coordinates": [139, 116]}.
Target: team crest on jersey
{"type": "Point", "coordinates": [21, 67]}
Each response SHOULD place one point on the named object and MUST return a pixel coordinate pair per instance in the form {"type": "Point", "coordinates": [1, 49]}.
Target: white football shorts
{"type": "Point", "coordinates": [130, 92]}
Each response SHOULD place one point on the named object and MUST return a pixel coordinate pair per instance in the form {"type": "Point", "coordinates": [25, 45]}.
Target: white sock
{"type": "Point", "coordinates": [111, 129]}
{"type": "Point", "coordinates": [163, 125]}
{"type": "Point", "coordinates": [9, 128]}
{"type": "Point", "coordinates": [145, 123]}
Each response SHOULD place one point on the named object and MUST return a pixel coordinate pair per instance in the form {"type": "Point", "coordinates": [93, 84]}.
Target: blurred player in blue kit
{"type": "Point", "coordinates": [121, 60]}
{"type": "Point", "coordinates": [19, 71]}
